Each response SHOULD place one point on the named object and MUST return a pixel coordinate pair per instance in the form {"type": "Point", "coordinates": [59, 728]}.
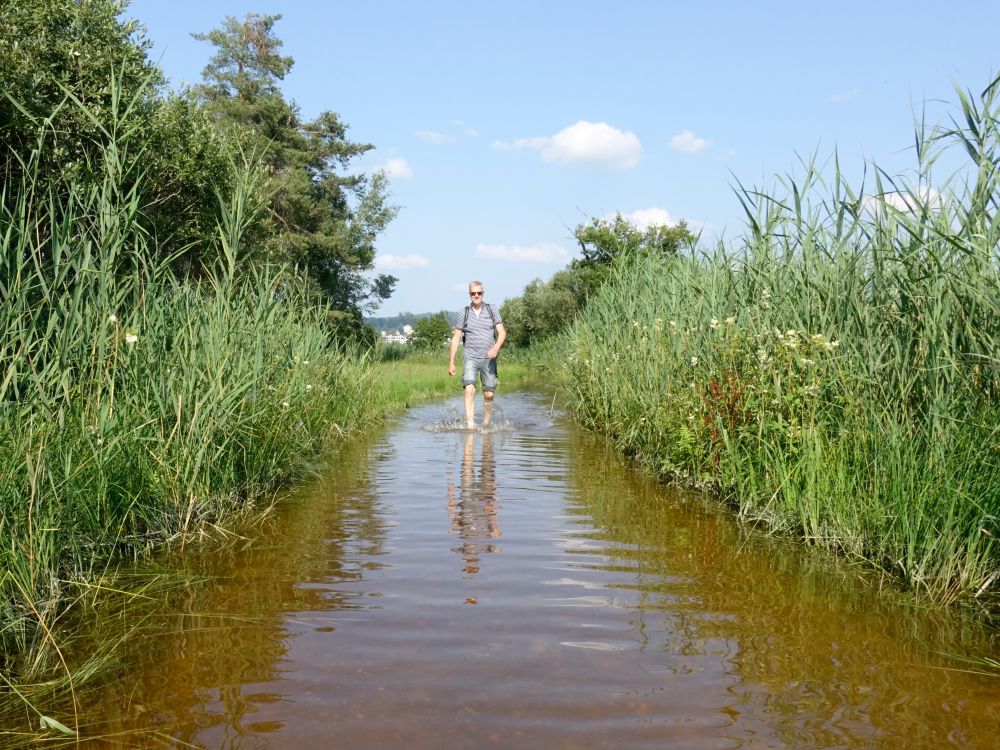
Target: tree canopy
{"type": "Point", "coordinates": [603, 240]}
{"type": "Point", "coordinates": [55, 50]}
{"type": "Point", "coordinates": [320, 218]}
{"type": "Point", "coordinates": [78, 94]}
{"type": "Point", "coordinates": [546, 308]}
{"type": "Point", "coordinates": [75, 87]}
{"type": "Point", "coordinates": [432, 332]}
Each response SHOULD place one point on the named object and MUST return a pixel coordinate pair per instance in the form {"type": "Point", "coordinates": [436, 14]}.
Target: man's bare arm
{"type": "Point", "coordinates": [456, 339]}
{"type": "Point", "coordinates": [501, 337]}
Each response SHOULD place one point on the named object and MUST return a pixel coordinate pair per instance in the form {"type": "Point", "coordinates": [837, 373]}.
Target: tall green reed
{"type": "Point", "coordinates": [138, 408]}
{"type": "Point", "coordinates": [835, 371]}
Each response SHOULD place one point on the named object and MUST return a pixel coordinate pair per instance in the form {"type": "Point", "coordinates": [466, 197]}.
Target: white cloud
{"type": "Point", "coordinates": [591, 143]}
{"type": "Point", "coordinates": [400, 262]}
{"type": "Point", "coordinates": [396, 167]}
{"type": "Point", "coordinates": [439, 139]}
{"type": "Point", "coordinates": [433, 137]}
{"type": "Point", "coordinates": [844, 96]}
{"type": "Point", "coordinates": [644, 218]}
{"type": "Point", "coordinates": [688, 142]}
{"type": "Point", "coordinates": [541, 252]}
{"type": "Point", "coordinates": [905, 202]}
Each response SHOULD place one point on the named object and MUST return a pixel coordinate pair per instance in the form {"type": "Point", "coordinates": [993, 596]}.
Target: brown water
{"type": "Point", "coordinates": [527, 589]}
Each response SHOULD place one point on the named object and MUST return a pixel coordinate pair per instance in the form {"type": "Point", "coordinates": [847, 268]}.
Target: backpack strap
{"type": "Point", "coordinates": [465, 322]}
{"type": "Point", "coordinates": [489, 308]}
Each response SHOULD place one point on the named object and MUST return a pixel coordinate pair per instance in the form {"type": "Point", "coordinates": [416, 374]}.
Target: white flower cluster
{"type": "Point", "coordinates": [131, 337]}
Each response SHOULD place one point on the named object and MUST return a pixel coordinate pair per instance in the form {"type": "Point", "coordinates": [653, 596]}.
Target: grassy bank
{"type": "Point", "coordinates": [410, 377]}
{"type": "Point", "coordinates": [834, 373]}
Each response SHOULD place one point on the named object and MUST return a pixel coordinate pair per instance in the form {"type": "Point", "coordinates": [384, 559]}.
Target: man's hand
{"type": "Point", "coordinates": [493, 352]}
{"type": "Point", "coordinates": [451, 368]}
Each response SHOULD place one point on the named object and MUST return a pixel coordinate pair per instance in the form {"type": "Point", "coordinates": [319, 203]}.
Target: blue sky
{"type": "Point", "coordinates": [504, 125]}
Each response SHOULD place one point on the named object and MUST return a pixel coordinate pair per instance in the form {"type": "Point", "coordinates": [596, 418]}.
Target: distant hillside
{"type": "Point", "coordinates": [396, 322]}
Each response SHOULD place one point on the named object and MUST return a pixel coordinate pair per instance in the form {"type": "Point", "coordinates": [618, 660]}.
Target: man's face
{"type": "Point", "coordinates": [476, 294]}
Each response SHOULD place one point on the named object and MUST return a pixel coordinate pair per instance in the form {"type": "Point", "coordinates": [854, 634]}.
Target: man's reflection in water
{"type": "Point", "coordinates": [473, 509]}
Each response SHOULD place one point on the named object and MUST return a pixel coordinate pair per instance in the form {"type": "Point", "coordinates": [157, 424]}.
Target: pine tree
{"type": "Point", "coordinates": [320, 219]}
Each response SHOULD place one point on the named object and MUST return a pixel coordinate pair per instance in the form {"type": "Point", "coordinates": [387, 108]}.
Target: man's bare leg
{"type": "Point", "coordinates": [470, 406]}
{"type": "Point", "coordinates": [487, 407]}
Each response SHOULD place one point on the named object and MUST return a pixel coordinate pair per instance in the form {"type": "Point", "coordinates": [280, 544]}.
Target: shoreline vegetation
{"type": "Point", "coordinates": [141, 410]}
{"type": "Point", "coordinates": [183, 277]}
{"type": "Point", "coordinates": [834, 373]}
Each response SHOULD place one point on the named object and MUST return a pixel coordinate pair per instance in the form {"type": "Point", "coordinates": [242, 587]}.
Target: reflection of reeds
{"type": "Point", "coordinates": [137, 408]}
{"type": "Point", "coordinates": [836, 374]}
{"type": "Point", "coordinates": [774, 616]}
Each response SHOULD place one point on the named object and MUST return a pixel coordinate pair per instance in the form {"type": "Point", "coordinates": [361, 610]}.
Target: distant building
{"type": "Point", "coordinates": [396, 337]}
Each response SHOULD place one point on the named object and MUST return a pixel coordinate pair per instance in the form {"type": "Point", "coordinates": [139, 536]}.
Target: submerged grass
{"type": "Point", "coordinates": [836, 374]}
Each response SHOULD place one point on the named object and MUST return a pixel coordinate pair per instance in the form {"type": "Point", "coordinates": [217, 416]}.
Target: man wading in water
{"type": "Point", "coordinates": [474, 328]}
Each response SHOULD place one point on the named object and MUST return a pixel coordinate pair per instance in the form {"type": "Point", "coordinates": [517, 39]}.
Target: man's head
{"type": "Point", "coordinates": [476, 291]}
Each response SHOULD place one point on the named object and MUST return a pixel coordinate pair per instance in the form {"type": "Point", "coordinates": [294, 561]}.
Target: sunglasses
{"type": "Point", "coordinates": [475, 294]}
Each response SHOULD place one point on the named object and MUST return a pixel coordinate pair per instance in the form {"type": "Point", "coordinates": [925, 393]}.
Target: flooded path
{"type": "Point", "coordinates": [527, 589]}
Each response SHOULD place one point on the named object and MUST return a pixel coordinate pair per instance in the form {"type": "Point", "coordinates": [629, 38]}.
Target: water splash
{"type": "Point", "coordinates": [454, 421]}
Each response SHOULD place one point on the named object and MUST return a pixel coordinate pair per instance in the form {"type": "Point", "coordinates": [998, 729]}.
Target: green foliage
{"type": "Point", "coordinates": [242, 76]}
{"type": "Point", "coordinates": [318, 219]}
{"type": "Point", "coordinates": [603, 241]}
{"type": "Point", "coordinates": [160, 375]}
{"type": "Point", "coordinates": [140, 408]}
{"type": "Point", "coordinates": [189, 163]}
{"type": "Point", "coordinates": [57, 49]}
{"type": "Point", "coordinates": [837, 375]}
{"type": "Point", "coordinates": [432, 332]}
{"type": "Point", "coordinates": [546, 308]}
{"type": "Point", "coordinates": [74, 82]}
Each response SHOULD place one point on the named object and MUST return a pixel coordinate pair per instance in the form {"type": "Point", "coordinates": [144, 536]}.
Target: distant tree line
{"type": "Point", "coordinates": [76, 79]}
{"type": "Point", "coordinates": [546, 308]}
{"type": "Point", "coordinates": [396, 322]}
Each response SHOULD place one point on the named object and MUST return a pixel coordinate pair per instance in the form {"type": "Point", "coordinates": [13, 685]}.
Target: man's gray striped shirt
{"type": "Point", "coordinates": [479, 334]}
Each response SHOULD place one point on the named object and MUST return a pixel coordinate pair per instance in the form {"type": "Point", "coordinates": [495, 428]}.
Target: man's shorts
{"type": "Point", "coordinates": [486, 368]}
